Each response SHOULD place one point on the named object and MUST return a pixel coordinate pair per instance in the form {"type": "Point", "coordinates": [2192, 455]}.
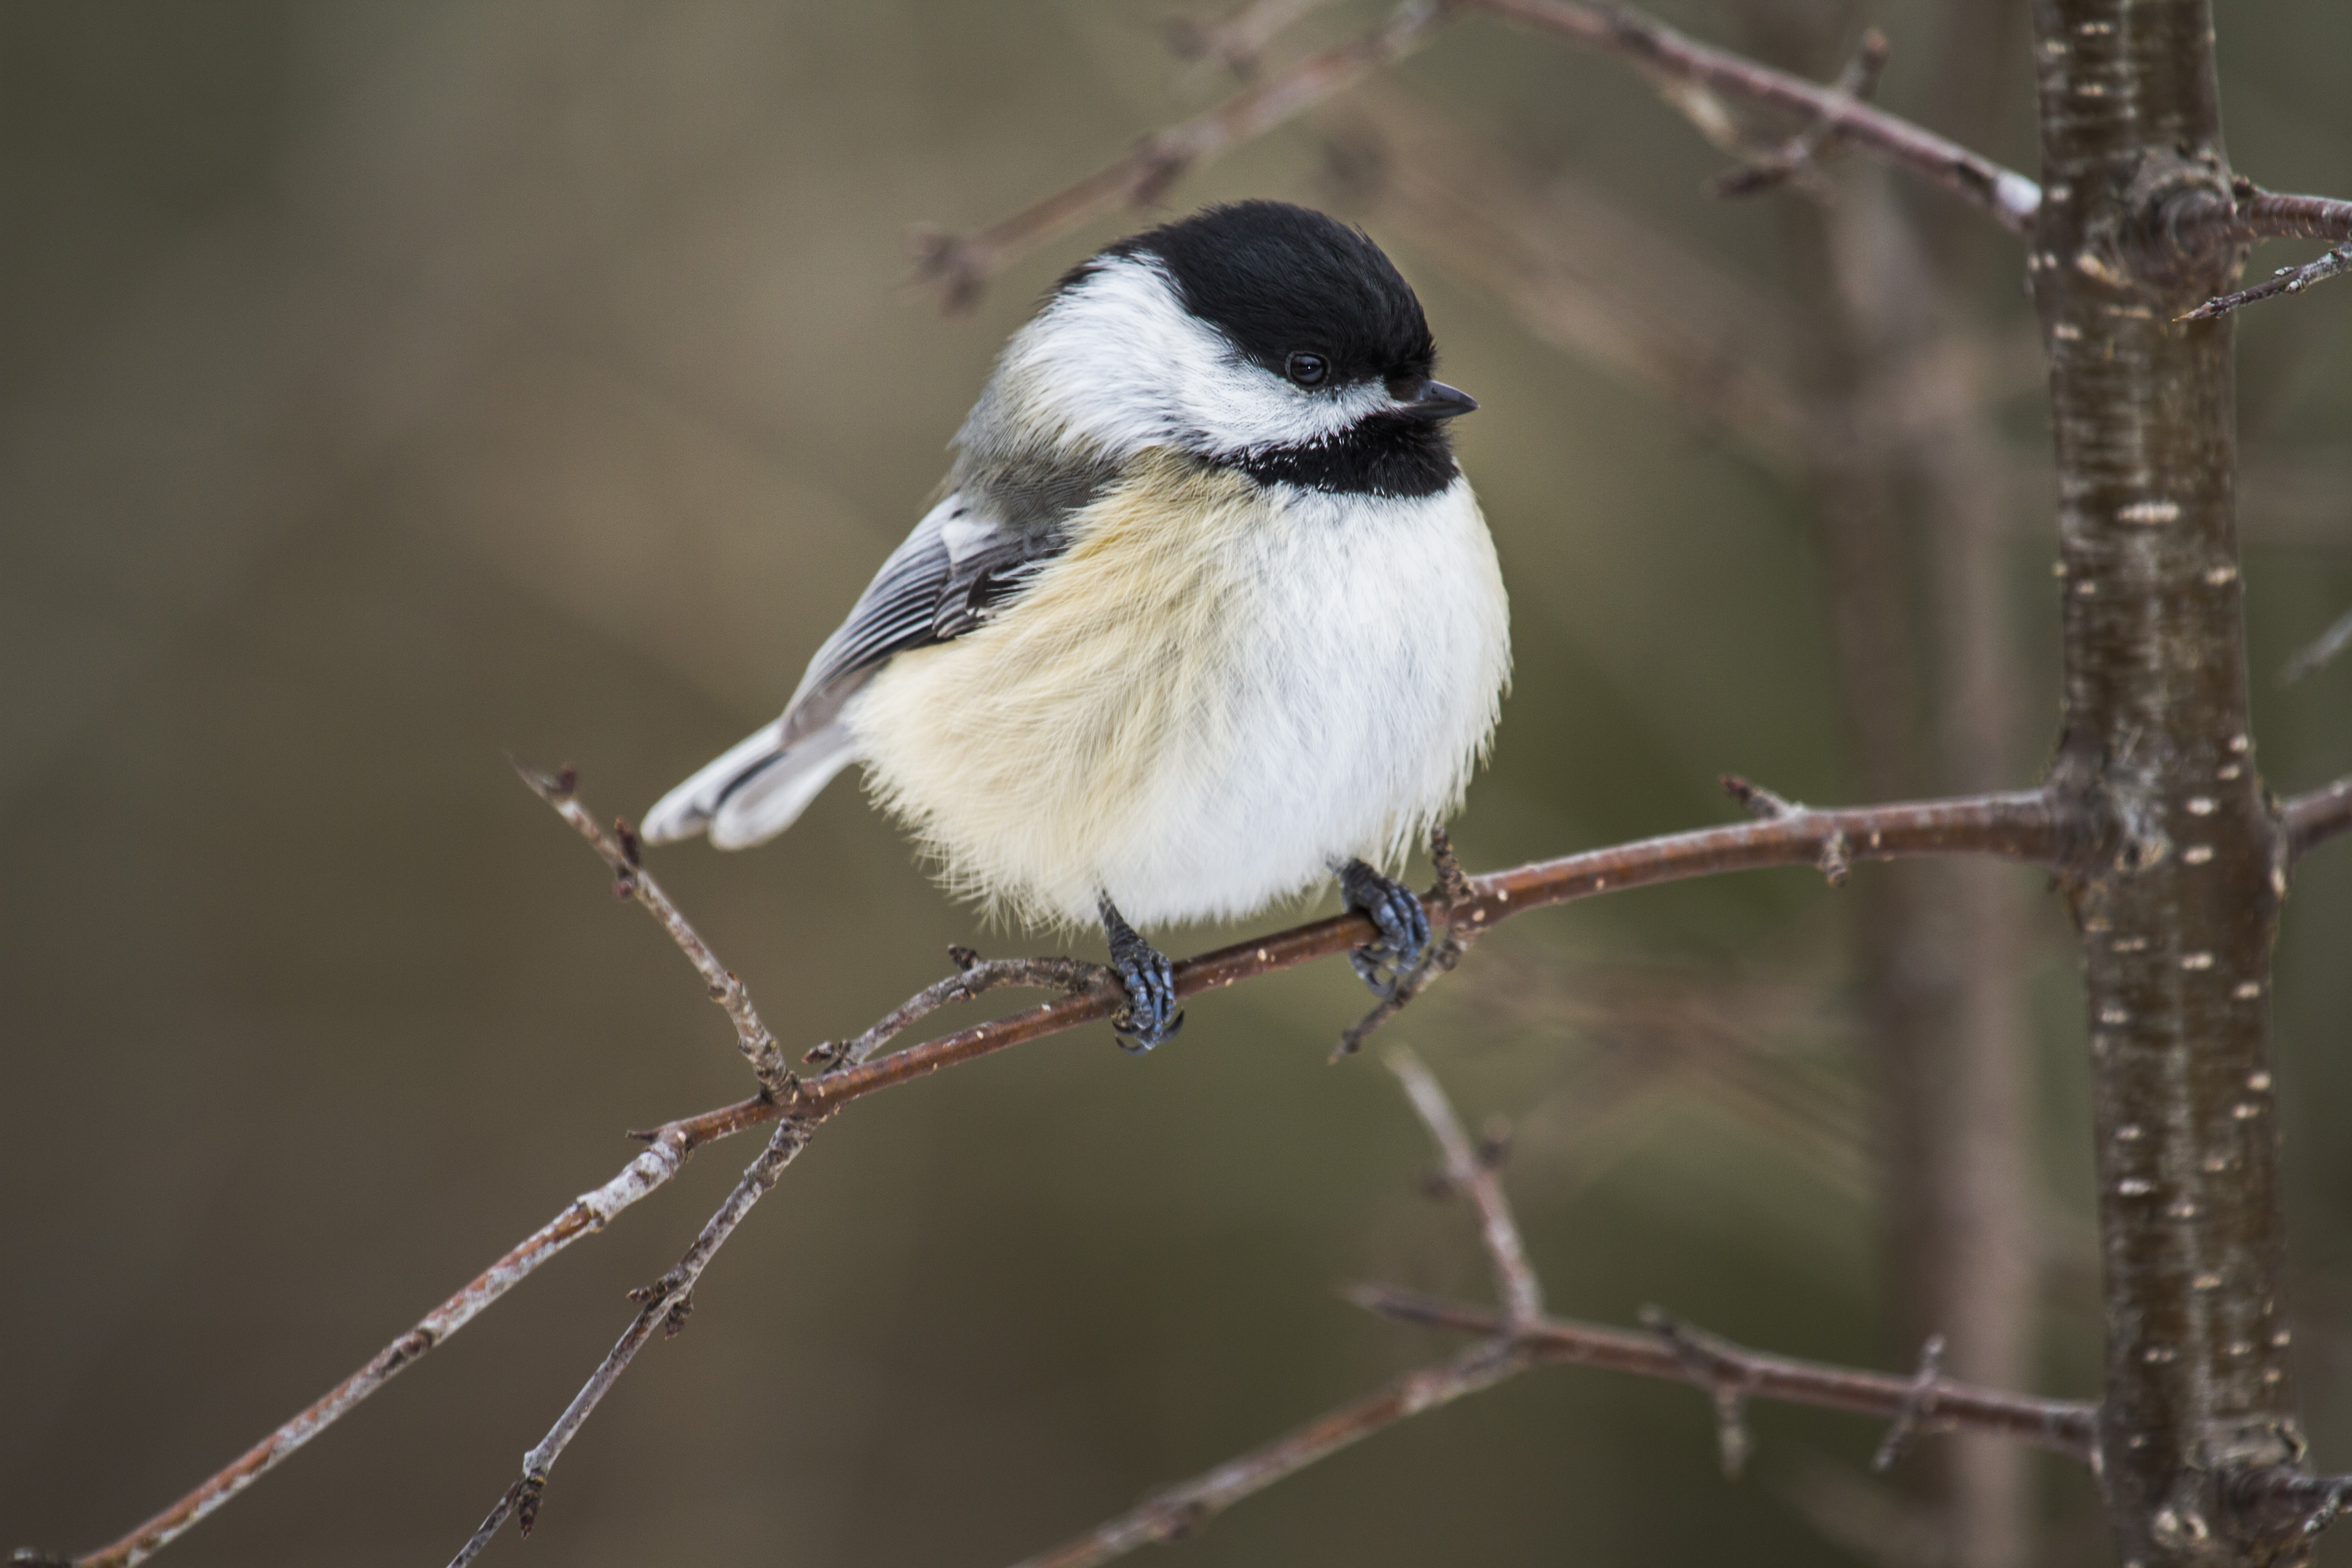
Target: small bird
{"type": "Point", "coordinates": [1207, 612]}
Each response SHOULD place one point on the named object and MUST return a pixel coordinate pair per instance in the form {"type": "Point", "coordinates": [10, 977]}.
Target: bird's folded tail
{"type": "Point", "coordinates": [755, 791]}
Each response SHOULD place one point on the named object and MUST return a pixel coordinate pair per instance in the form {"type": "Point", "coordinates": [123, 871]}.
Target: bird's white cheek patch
{"type": "Point", "coordinates": [1119, 365]}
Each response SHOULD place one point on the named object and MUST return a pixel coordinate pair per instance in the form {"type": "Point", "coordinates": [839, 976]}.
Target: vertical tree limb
{"type": "Point", "coordinates": [2176, 890]}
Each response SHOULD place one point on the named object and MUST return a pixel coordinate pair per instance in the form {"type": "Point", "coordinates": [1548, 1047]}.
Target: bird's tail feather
{"type": "Point", "coordinates": [755, 791]}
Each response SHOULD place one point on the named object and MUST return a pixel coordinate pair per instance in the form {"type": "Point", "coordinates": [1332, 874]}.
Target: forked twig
{"type": "Point", "coordinates": [1918, 1408]}
{"type": "Point", "coordinates": [2067, 1426]}
{"type": "Point", "coordinates": [1693, 78]}
{"type": "Point", "coordinates": [1469, 1173]}
{"type": "Point", "coordinates": [1774, 169]}
{"type": "Point", "coordinates": [664, 1304]}
{"type": "Point", "coordinates": [1696, 78]}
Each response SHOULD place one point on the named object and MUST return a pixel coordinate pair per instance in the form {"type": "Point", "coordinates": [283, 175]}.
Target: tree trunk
{"type": "Point", "coordinates": [2176, 877]}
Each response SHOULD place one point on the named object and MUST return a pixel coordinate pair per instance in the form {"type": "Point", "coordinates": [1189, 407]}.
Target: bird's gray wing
{"type": "Point", "coordinates": [966, 561]}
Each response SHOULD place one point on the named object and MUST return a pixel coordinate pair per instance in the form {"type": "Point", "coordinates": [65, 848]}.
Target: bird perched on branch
{"type": "Point", "coordinates": [1208, 612]}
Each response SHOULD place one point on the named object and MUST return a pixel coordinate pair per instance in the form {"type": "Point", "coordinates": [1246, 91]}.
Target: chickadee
{"type": "Point", "coordinates": [1208, 612]}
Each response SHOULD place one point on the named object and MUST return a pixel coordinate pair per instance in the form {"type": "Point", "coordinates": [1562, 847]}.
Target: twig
{"type": "Point", "coordinates": [584, 1215]}
{"type": "Point", "coordinates": [2285, 280]}
{"type": "Point", "coordinates": [1689, 74]}
{"type": "Point", "coordinates": [1762, 804]}
{"type": "Point", "coordinates": [662, 1304]}
{"type": "Point", "coordinates": [2324, 646]}
{"type": "Point", "coordinates": [2251, 214]}
{"type": "Point", "coordinates": [1583, 276]}
{"type": "Point", "coordinates": [2020, 827]}
{"type": "Point", "coordinates": [1071, 976]}
{"type": "Point", "coordinates": [1916, 1408]}
{"type": "Point", "coordinates": [1722, 1372]}
{"type": "Point", "coordinates": [1467, 1173]}
{"type": "Point", "coordinates": [2063, 1425]}
{"type": "Point", "coordinates": [2314, 818]}
{"type": "Point", "coordinates": [1180, 1510]}
{"type": "Point", "coordinates": [962, 263]}
{"type": "Point", "coordinates": [632, 880]}
{"type": "Point", "coordinates": [1236, 40]}
{"type": "Point", "coordinates": [2305, 1504]}
{"type": "Point", "coordinates": [1836, 858]}
{"type": "Point", "coordinates": [1859, 81]}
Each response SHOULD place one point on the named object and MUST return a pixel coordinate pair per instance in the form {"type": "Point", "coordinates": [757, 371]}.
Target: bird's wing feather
{"type": "Point", "coordinates": [960, 566]}
{"type": "Point", "coordinates": [965, 561]}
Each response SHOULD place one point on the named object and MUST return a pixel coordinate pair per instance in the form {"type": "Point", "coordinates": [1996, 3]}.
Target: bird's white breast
{"type": "Point", "coordinates": [1216, 693]}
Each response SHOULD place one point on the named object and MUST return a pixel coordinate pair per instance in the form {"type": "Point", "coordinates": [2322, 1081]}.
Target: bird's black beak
{"type": "Point", "coordinates": [1439, 401]}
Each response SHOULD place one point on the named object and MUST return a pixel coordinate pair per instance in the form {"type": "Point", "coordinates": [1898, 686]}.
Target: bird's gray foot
{"type": "Point", "coordinates": [1149, 1017]}
{"type": "Point", "coordinates": [1404, 928]}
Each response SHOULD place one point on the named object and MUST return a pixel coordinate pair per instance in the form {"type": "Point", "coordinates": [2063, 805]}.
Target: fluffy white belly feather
{"type": "Point", "coordinates": [1216, 694]}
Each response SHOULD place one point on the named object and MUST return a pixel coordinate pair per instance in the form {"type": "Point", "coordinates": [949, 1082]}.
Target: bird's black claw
{"type": "Point", "coordinates": [1383, 965]}
{"type": "Point", "coordinates": [1149, 1017]}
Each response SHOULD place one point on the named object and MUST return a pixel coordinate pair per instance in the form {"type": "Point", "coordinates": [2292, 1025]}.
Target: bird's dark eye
{"type": "Point", "coordinates": [1305, 369]}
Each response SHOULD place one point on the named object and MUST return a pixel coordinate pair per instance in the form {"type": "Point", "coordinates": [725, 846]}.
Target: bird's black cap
{"type": "Point", "coordinates": [1278, 279]}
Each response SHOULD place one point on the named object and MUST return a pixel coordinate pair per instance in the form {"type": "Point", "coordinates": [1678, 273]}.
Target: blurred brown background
{"type": "Point", "coordinates": [385, 385]}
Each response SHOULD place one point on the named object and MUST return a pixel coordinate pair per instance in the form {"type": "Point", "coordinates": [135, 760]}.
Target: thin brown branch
{"type": "Point", "coordinates": [1581, 274]}
{"type": "Point", "coordinates": [1180, 1510]}
{"type": "Point", "coordinates": [960, 265]}
{"type": "Point", "coordinates": [1793, 157]}
{"type": "Point", "coordinates": [1715, 1370]}
{"type": "Point", "coordinates": [664, 1305]}
{"type": "Point", "coordinates": [1905, 1425]}
{"type": "Point", "coordinates": [2063, 1425]}
{"type": "Point", "coordinates": [1467, 1172]}
{"type": "Point", "coordinates": [584, 1215]}
{"type": "Point", "coordinates": [1591, 280]}
{"type": "Point", "coordinates": [618, 849]}
{"type": "Point", "coordinates": [2273, 215]}
{"type": "Point", "coordinates": [2312, 819]}
{"type": "Point", "coordinates": [1692, 77]}
{"type": "Point", "coordinates": [2285, 280]}
{"type": "Point", "coordinates": [1238, 39]}
{"type": "Point", "coordinates": [2203, 220]}
{"type": "Point", "coordinates": [1072, 976]}
{"type": "Point", "coordinates": [2018, 826]}
{"type": "Point", "coordinates": [1696, 78]}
